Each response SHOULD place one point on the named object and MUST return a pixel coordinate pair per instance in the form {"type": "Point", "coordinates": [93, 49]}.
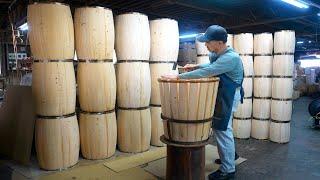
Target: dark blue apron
{"type": "Point", "coordinates": [224, 102]}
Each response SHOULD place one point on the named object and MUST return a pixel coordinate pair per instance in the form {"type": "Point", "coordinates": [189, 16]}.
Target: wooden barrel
{"type": "Point", "coordinates": [187, 109]}
{"type": "Point", "coordinates": [243, 43]}
{"type": "Point", "coordinates": [164, 40]}
{"type": "Point", "coordinates": [132, 36]}
{"type": "Point", "coordinates": [284, 41]}
{"type": "Point", "coordinates": [242, 119]}
{"type": "Point", "coordinates": [98, 133]}
{"type": "Point", "coordinates": [54, 87]}
{"type": "Point", "coordinates": [283, 65]}
{"type": "Point", "coordinates": [263, 44]}
{"type": "Point", "coordinates": [247, 85]}
{"type": "Point", "coordinates": [279, 131]}
{"type": "Point", "coordinates": [94, 33]}
{"type": "Point", "coordinates": [133, 87]}
{"type": "Point", "coordinates": [230, 40]}
{"type": "Point", "coordinates": [134, 129]}
{"type": "Point", "coordinates": [97, 86]}
{"type": "Point", "coordinates": [262, 86]}
{"type": "Point", "coordinates": [57, 142]}
{"type": "Point", "coordinates": [201, 48]}
{"type": "Point", "coordinates": [282, 87]}
{"type": "Point", "coordinates": [156, 126]}
{"type": "Point", "coordinates": [202, 59]}
{"type": "Point", "coordinates": [260, 118]}
{"type": "Point", "coordinates": [281, 109]}
{"type": "Point", "coordinates": [247, 62]}
{"type": "Point", "coordinates": [263, 65]}
{"type": "Point", "coordinates": [51, 33]}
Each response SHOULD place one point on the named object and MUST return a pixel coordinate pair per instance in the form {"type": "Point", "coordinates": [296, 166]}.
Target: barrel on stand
{"type": "Point", "coordinates": [187, 110]}
{"type": "Point", "coordinates": [133, 82]}
{"type": "Point", "coordinates": [94, 34]}
{"type": "Point", "coordinates": [51, 37]}
{"type": "Point", "coordinates": [202, 52]}
{"type": "Point", "coordinates": [163, 54]}
{"type": "Point", "coordinates": [282, 86]}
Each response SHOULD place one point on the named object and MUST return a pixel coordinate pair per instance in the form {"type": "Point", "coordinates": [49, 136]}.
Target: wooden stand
{"type": "Point", "coordinates": [185, 161]}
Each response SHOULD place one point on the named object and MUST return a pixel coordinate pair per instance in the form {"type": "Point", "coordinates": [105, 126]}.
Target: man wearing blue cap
{"type": "Point", "coordinates": [225, 63]}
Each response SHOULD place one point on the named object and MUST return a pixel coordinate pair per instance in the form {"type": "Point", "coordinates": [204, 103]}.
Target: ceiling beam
{"type": "Point", "coordinates": [270, 21]}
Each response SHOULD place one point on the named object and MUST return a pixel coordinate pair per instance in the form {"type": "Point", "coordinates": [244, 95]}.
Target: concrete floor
{"type": "Point", "coordinates": [299, 159]}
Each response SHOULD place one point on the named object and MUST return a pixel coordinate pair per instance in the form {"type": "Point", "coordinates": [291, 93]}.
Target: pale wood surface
{"type": "Point", "coordinates": [263, 43]}
{"type": "Point", "coordinates": [243, 43]}
{"type": "Point", "coordinates": [241, 128]}
{"type": "Point", "coordinates": [281, 110]}
{"type": "Point", "coordinates": [262, 87]}
{"type": "Point", "coordinates": [263, 65]}
{"type": "Point", "coordinates": [156, 126]}
{"type": "Point", "coordinates": [260, 129]}
{"type": "Point", "coordinates": [279, 132]}
{"type": "Point", "coordinates": [282, 87]}
{"type": "Point", "coordinates": [261, 108]}
{"type": "Point", "coordinates": [283, 65]}
{"type": "Point", "coordinates": [284, 41]}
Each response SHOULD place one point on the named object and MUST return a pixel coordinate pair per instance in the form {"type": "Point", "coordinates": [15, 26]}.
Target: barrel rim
{"type": "Point", "coordinates": [199, 80]}
{"type": "Point", "coordinates": [132, 12]}
{"type": "Point", "coordinates": [56, 3]}
{"type": "Point", "coordinates": [262, 33]}
{"type": "Point", "coordinates": [157, 19]}
{"type": "Point", "coordinates": [288, 30]}
{"type": "Point", "coordinates": [98, 7]}
{"type": "Point", "coordinates": [243, 33]}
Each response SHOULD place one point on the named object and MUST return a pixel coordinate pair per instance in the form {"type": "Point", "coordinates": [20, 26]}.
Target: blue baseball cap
{"type": "Point", "coordinates": [214, 33]}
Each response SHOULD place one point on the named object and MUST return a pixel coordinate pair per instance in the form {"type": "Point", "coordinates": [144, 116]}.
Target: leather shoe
{"type": "Point", "coordinates": [219, 175]}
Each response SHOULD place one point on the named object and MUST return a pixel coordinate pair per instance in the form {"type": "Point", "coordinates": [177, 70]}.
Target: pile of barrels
{"type": "Point", "coordinates": [268, 114]}
{"type": "Point", "coordinates": [145, 50]}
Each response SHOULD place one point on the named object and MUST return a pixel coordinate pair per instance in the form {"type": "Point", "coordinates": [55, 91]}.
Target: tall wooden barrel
{"type": "Point", "coordinates": [247, 84]}
{"type": "Point", "coordinates": [230, 40]}
{"type": "Point", "coordinates": [94, 33]}
{"type": "Point", "coordinates": [260, 117]}
{"type": "Point", "coordinates": [164, 53]}
{"type": "Point", "coordinates": [98, 133]}
{"type": "Point", "coordinates": [279, 131]}
{"type": "Point", "coordinates": [187, 109]}
{"type": "Point", "coordinates": [133, 82]}
{"type": "Point", "coordinates": [282, 87]}
{"type": "Point", "coordinates": [51, 37]}
{"type": "Point", "coordinates": [284, 41]}
{"type": "Point", "coordinates": [242, 119]}
{"type": "Point", "coordinates": [243, 43]}
{"type": "Point", "coordinates": [57, 141]}
{"type": "Point", "coordinates": [263, 65]}
{"type": "Point", "coordinates": [202, 52]}
{"type": "Point", "coordinates": [283, 65]}
{"type": "Point", "coordinates": [263, 44]}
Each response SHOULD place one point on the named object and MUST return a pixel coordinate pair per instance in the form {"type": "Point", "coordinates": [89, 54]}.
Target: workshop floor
{"type": "Point", "coordinates": [299, 159]}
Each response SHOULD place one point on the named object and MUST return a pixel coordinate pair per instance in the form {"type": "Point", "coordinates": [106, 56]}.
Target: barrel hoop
{"type": "Point", "coordinates": [161, 62]}
{"type": "Point", "coordinates": [97, 113]}
{"type": "Point", "coordinates": [186, 121]}
{"type": "Point", "coordinates": [133, 12]}
{"type": "Point", "coordinates": [268, 54]}
{"type": "Point", "coordinates": [199, 55]}
{"type": "Point", "coordinates": [263, 76]}
{"type": "Point", "coordinates": [98, 7]}
{"type": "Point", "coordinates": [284, 53]}
{"type": "Point", "coordinates": [282, 99]}
{"type": "Point", "coordinates": [134, 109]}
{"type": "Point", "coordinates": [56, 117]}
{"type": "Point", "coordinates": [185, 143]}
{"type": "Point", "coordinates": [95, 60]}
{"type": "Point", "coordinates": [250, 76]}
{"type": "Point", "coordinates": [52, 60]}
{"type": "Point", "coordinates": [57, 3]}
{"type": "Point", "coordinates": [155, 105]}
{"type": "Point", "coordinates": [277, 121]}
{"type": "Point", "coordinates": [239, 118]}
{"type": "Point", "coordinates": [261, 119]}
{"type": "Point", "coordinates": [255, 97]}
{"type": "Point", "coordinates": [282, 76]}
{"type": "Point", "coordinates": [132, 61]}
{"type": "Point", "coordinates": [247, 97]}
{"type": "Point", "coordinates": [246, 54]}
{"type": "Point", "coordinates": [188, 80]}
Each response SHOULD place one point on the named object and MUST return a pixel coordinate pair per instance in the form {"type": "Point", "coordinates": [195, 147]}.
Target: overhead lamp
{"type": "Point", "coordinates": [297, 3]}
{"type": "Point", "coordinates": [299, 42]}
{"type": "Point", "coordinates": [23, 27]}
{"type": "Point", "coordinates": [318, 14]}
{"type": "Point", "coordinates": [188, 36]}
{"type": "Point", "coordinates": [309, 41]}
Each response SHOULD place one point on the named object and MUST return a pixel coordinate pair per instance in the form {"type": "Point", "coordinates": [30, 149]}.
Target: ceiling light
{"type": "Point", "coordinates": [188, 36]}
{"type": "Point", "coordinates": [300, 42]}
{"type": "Point", "coordinates": [297, 3]}
{"type": "Point", "coordinates": [23, 27]}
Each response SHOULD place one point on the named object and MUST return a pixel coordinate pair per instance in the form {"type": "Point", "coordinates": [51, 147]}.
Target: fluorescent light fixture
{"type": "Point", "coordinates": [318, 14]}
{"type": "Point", "coordinates": [188, 36]}
{"type": "Point", "coordinates": [309, 41]}
{"type": "Point", "coordinates": [297, 3]}
{"type": "Point", "coordinates": [300, 42]}
{"type": "Point", "coordinates": [305, 63]}
{"type": "Point", "coordinates": [23, 27]}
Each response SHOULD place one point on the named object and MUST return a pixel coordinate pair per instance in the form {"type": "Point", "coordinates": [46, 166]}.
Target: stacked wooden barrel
{"type": "Point", "coordinates": [51, 37]}
{"type": "Point", "coordinates": [243, 44]}
{"type": "Point", "coordinates": [282, 86]}
{"type": "Point", "coordinates": [202, 52]}
{"type": "Point", "coordinates": [94, 33]}
{"type": "Point", "coordinates": [230, 40]}
{"type": "Point", "coordinates": [133, 82]}
{"type": "Point", "coordinates": [263, 50]}
{"type": "Point", "coordinates": [163, 54]}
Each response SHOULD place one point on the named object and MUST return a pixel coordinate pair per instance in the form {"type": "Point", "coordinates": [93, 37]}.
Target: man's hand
{"type": "Point", "coordinates": [190, 67]}
{"type": "Point", "coordinates": [170, 76]}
